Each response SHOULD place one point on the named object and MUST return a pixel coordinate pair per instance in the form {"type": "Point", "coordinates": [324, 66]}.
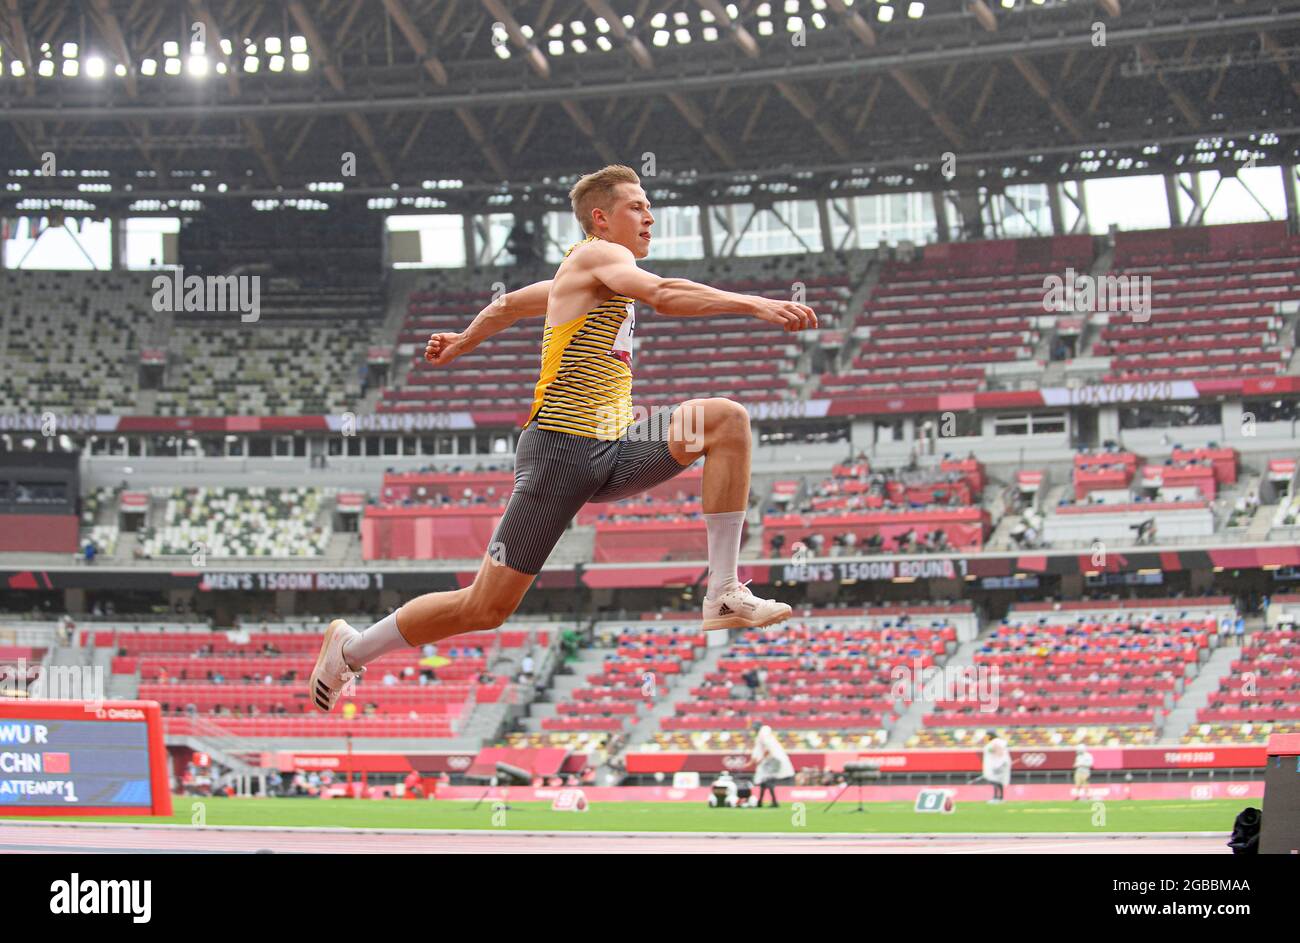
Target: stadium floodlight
{"type": "Point", "coordinates": [915, 10]}
{"type": "Point", "coordinates": [301, 62]}
{"type": "Point", "coordinates": [172, 67]}
{"type": "Point", "coordinates": [819, 5]}
{"type": "Point", "coordinates": [706, 16]}
{"type": "Point", "coordinates": [227, 46]}
{"type": "Point", "coordinates": [198, 65]}
{"type": "Point", "coordinates": [525, 29]}
{"type": "Point", "coordinates": [119, 70]}
{"type": "Point", "coordinates": [298, 43]}
{"type": "Point", "coordinates": [171, 49]}
{"type": "Point", "coordinates": [17, 69]}
{"type": "Point", "coordinates": [250, 49]}
{"type": "Point", "coordinates": [710, 34]}
{"type": "Point", "coordinates": [765, 27]}
{"type": "Point", "coordinates": [604, 43]}
{"type": "Point", "coordinates": [502, 51]}
{"type": "Point", "coordinates": [793, 24]}
{"type": "Point", "coordinates": [95, 67]}
{"type": "Point", "coordinates": [221, 68]}
{"type": "Point", "coordinates": [629, 20]}
{"type": "Point", "coordinates": [578, 28]}
{"type": "Point", "coordinates": [791, 6]}
{"type": "Point", "coordinates": [556, 31]}
{"type": "Point", "coordinates": [885, 14]}
{"type": "Point", "coordinates": [578, 45]}
{"type": "Point", "coordinates": [69, 50]}
{"type": "Point", "coordinates": [251, 63]}
{"type": "Point", "coordinates": [277, 64]}
{"type": "Point", "coordinates": [148, 66]}
{"type": "Point", "coordinates": [1008, 4]}
{"type": "Point", "coordinates": [602, 25]}
{"type": "Point", "coordinates": [683, 36]}
{"type": "Point", "coordinates": [733, 11]}
{"type": "Point", "coordinates": [763, 10]}
{"type": "Point", "coordinates": [555, 47]}
{"type": "Point", "coordinates": [660, 37]}
{"type": "Point", "coordinates": [818, 21]}
{"type": "Point", "coordinates": [682, 18]}
{"type": "Point", "coordinates": [658, 20]}
{"type": "Point", "coordinates": [46, 68]}
{"type": "Point", "coordinates": [71, 67]}
{"type": "Point", "coordinates": [273, 45]}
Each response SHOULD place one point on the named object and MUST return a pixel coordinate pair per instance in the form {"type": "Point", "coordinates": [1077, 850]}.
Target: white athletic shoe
{"type": "Point", "coordinates": [332, 677]}
{"type": "Point", "coordinates": [740, 609]}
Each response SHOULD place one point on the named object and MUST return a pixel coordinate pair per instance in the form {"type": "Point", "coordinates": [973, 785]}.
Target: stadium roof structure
{"type": "Point", "coordinates": [480, 106]}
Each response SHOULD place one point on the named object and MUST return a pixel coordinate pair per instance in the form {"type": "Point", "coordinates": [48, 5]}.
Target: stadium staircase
{"type": "Point", "coordinates": [590, 661]}
{"type": "Point", "coordinates": [1196, 695]}
{"type": "Point", "coordinates": [910, 721]}
{"type": "Point", "coordinates": [679, 688]}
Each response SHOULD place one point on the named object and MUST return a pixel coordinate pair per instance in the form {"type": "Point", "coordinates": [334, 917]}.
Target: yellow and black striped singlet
{"type": "Point", "coordinates": [585, 386]}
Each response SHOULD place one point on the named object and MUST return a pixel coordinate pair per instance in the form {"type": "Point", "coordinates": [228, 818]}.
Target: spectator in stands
{"type": "Point", "coordinates": [89, 551]}
{"type": "Point", "coordinates": [750, 678]}
{"type": "Point", "coordinates": [526, 668]}
{"type": "Point", "coordinates": [996, 765]}
{"type": "Point", "coordinates": [390, 679]}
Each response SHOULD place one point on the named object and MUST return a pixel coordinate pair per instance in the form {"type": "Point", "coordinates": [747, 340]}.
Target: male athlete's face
{"type": "Point", "coordinates": [630, 219]}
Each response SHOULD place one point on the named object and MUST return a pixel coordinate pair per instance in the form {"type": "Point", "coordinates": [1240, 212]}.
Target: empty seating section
{"type": "Point", "coordinates": [1079, 675]}
{"type": "Point", "coordinates": [254, 369]}
{"type": "Point", "coordinates": [643, 665]}
{"type": "Point", "coordinates": [829, 685]}
{"type": "Point", "coordinates": [1261, 693]}
{"type": "Point", "coordinates": [70, 341]}
{"type": "Point", "coordinates": [255, 684]}
{"type": "Point", "coordinates": [885, 511]}
{"type": "Point", "coordinates": [1219, 295]}
{"type": "Point", "coordinates": [964, 312]}
{"type": "Point", "coordinates": [242, 522]}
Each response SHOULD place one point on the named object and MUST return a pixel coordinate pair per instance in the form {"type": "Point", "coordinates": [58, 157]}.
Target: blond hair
{"type": "Point", "coordinates": [596, 190]}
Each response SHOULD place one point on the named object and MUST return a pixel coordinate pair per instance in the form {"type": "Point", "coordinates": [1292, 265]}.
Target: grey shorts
{"type": "Point", "coordinates": [556, 473]}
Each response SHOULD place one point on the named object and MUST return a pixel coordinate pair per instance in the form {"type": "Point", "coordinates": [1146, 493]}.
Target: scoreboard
{"type": "Point", "coordinates": [82, 758]}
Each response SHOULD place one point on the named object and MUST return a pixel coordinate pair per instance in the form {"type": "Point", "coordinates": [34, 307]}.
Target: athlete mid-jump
{"type": "Point", "coordinates": [580, 443]}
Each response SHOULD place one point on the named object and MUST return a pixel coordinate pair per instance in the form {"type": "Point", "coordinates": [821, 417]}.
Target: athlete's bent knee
{"type": "Point", "coordinates": [488, 614]}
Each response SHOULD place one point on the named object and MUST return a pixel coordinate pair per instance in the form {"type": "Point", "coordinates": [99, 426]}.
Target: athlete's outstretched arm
{"type": "Point", "coordinates": [616, 268]}
{"type": "Point", "coordinates": [527, 302]}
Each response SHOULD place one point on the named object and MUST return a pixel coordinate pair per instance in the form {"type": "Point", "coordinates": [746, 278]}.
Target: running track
{"type": "Point", "coordinates": [24, 837]}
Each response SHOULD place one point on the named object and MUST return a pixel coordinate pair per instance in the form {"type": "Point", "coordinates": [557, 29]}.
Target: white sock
{"type": "Point", "coordinates": [724, 550]}
{"type": "Point", "coordinates": [380, 639]}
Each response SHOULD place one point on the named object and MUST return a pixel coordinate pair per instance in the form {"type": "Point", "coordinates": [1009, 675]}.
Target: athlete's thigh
{"type": "Point", "coordinates": [554, 477]}
{"type": "Point", "coordinates": [644, 459]}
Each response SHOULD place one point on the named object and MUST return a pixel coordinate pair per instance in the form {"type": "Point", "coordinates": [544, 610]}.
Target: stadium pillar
{"type": "Point", "coordinates": [824, 220]}
{"type": "Point", "coordinates": [1231, 415]}
{"type": "Point", "coordinates": [471, 252]}
{"type": "Point", "coordinates": [941, 215]}
{"type": "Point", "coordinates": [1171, 196]}
{"type": "Point", "coordinates": [1107, 423]}
{"type": "Point", "coordinates": [706, 230]}
{"type": "Point", "coordinates": [117, 243]}
{"type": "Point", "coordinates": [1055, 208]}
{"type": "Point", "coordinates": [74, 601]}
{"type": "Point", "coordinates": [972, 214]}
{"type": "Point", "coordinates": [1289, 192]}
